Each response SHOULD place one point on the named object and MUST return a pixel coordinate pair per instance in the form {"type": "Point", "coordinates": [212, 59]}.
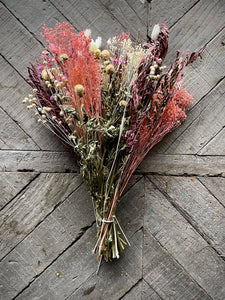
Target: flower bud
{"type": "Point", "coordinates": [105, 54]}
{"type": "Point", "coordinates": [44, 75]}
{"type": "Point", "coordinates": [110, 69]}
{"type": "Point", "coordinates": [97, 53]}
{"type": "Point", "coordinates": [63, 57]}
{"type": "Point", "coordinates": [79, 89]}
{"type": "Point", "coordinates": [93, 48]}
{"type": "Point", "coordinates": [123, 103]}
{"type": "Point", "coordinates": [155, 32]}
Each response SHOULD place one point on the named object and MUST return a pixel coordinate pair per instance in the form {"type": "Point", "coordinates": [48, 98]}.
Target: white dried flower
{"type": "Point", "coordinates": [155, 32]}
{"type": "Point", "coordinates": [87, 32]}
{"type": "Point", "coordinates": [97, 42]}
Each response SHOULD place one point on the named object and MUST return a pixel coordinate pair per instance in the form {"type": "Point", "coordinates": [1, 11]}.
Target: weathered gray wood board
{"type": "Point", "coordinates": [173, 216]}
{"type": "Point", "coordinates": [40, 161]}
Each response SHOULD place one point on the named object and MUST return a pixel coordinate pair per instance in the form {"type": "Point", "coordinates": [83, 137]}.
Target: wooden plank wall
{"type": "Point", "coordinates": [173, 210]}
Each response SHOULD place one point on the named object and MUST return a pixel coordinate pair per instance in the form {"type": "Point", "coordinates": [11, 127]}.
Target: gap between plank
{"type": "Point", "coordinates": [17, 123]}
{"type": "Point", "coordinates": [211, 193]}
{"type": "Point", "coordinates": [184, 14]}
{"type": "Point", "coordinates": [33, 35]}
{"type": "Point", "coordinates": [21, 192]}
{"type": "Point", "coordinates": [176, 261]}
{"type": "Point", "coordinates": [202, 148]}
{"type": "Point", "coordinates": [63, 15]}
{"type": "Point", "coordinates": [108, 12]}
{"type": "Point", "coordinates": [133, 286]}
{"type": "Point", "coordinates": [188, 218]}
{"type": "Point", "coordinates": [79, 235]}
{"type": "Point", "coordinates": [211, 90]}
{"type": "Point", "coordinates": [54, 208]}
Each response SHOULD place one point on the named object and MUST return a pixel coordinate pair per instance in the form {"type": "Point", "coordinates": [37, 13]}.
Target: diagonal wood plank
{"type": "Point", "coordinates": [77, 265]}
{"type": "Point", "coordinates": [18, 46]}
{"type": "Point", "coordinates": [12, 136]}
{"type": "Point", "coordinates": [199, 25]}
{"type": "Point", "coordinates": [90, 14]}
{"type": "Point", "coordinates": [209, 113]}
{"type": "Point", "coordinates": [143, 291]}
{"type": "Point", "coordinates": [46, 242]}
{"type": "Point", "coordinates": [73, 267]}
{"type": "Point", "coordinates": [58, 231]}
{"type": "Point", "coordinates": [12, 183]}
{"type": "Point", "coordinates": [199, 206]}
{"type": "Point", "coordinates": [126, 16]}
{"type": "Point", "coordinates": [184, 244]}
{"type": "Point", "coordinates": [163, 11]}
{"type": "Point", "coordinates": [215, 186]}
{"type": "Point", "coordinates": [32, 206]}
{"type": "Point", "coordinates": [216, 146]}
{"type": "Point", "coordinates": [165, 275]}
{"type": "Point", "coordinates": [123, 274]}
{"type": "Point", "coordinates": [27, 15]}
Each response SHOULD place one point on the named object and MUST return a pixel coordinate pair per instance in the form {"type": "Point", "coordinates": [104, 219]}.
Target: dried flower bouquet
{"type": "Point", "coordinates": [110, 107]}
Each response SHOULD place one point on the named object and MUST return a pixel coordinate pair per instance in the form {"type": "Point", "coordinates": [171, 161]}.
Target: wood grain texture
{"type": "Point", "coordinates": [90, 14]}
{"type": "Point", "coordinates": [46, 242]}
{"type": "Point", "coordinates": [30, 207]}
{"type": "Point", "coordinates": [209, 15]}
{"type": "Point", "coordinates": [46, 161]}
{"type": "Point", "coordinates": [39, 161]}
{"type": "Point", "coordinates": [215, 186]}
{"type": "Point", "coordinates": [167, 12]}
{"type": "Point", "coordinates": [12, 183]}
{"type": "Point", "coordinates": [27, 15]}
{"type": "Point", "coordinates": [215, 146]}
{"type": "Point", "coordinates": [174, 221]}
{"type": "Point", "coordinates": [127, 17]}
{"type": "Point", "coordinates": [184, 246]}
{"type": "Point", "coordinates": [206, 119]}
{"type": "Point", "coordinates": [83, 267]}
{"type": "Point", "coordinates": [167, 277]}
{"type": "Point", "coordinates": [143, 291]}
{"type": "Point", "coordinates": [18, 46]}
{"type": "Point", "coordinates": [123, 274]}
{"type": "Point", "coordinates": [198, 205]}
{"type": "Point", "coordinates": [12, 136]}
{"type": "Point", "coordinates": [183, 164]}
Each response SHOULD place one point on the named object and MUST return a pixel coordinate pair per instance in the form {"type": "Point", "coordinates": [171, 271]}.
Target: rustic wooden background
{"type": "Point", "coordinates": [174, 209]}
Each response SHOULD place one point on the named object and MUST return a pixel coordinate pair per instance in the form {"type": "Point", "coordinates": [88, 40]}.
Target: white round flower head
{"type": "Point", "coordinates": [155, 32]}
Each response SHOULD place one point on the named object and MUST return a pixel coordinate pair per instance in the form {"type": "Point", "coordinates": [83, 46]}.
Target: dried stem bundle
{"type": "Point", "coordinates": [110, 107]}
